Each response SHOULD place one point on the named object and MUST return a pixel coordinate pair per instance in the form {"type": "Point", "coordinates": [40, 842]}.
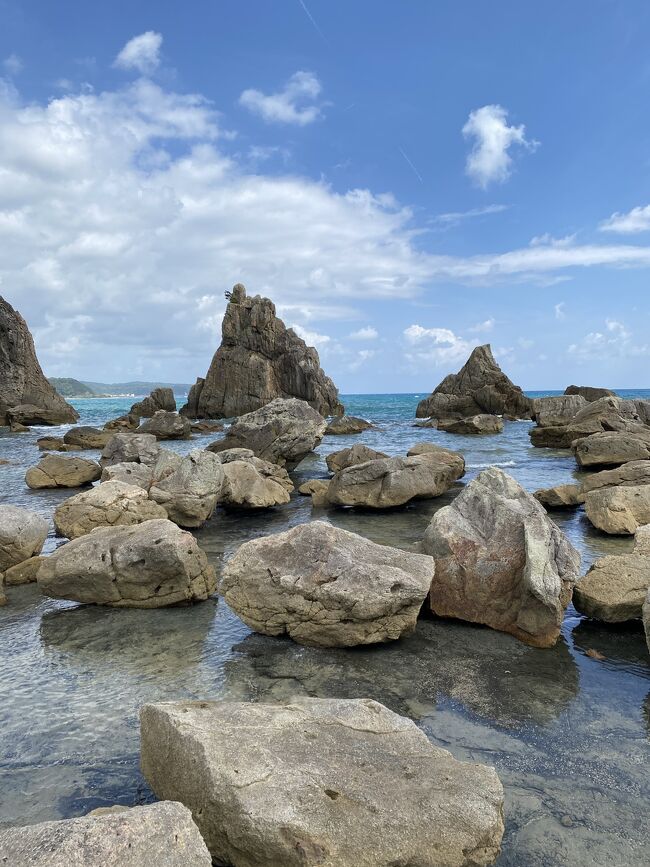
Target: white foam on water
{"type": "Point", "coordinates": [492, 464]}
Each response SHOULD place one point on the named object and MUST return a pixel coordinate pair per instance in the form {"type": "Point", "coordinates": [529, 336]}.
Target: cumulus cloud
{"type": "Point", "coordinates": [13, 65]}
{"type": "Point", "coordinates": [614, 341]}
{"type": "Point", "coordinates": [366, 333]}
{"type": "Point", "coordinates": [141, 53]}
{"type": "Point", "coordinates": [435, 344]}
{"type": "Point", "coordinates": [311, 338]}
{"type": "Point", "coordinates": [489, 161]}
{"type": "Point", "coordinates": [483, 327]}
{"type": "Point", "coordinates": [294, 104]}
{"type": "Point", "coordinates": [635, 221]}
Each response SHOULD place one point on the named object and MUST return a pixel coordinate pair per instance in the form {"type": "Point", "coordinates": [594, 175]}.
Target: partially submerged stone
{"type": "Point", "coordinates": [619, 510]}
{"type": "Point", "coordinates": [347, 424]}
{"type": "Point", "coordinates": [87, 437]}
{"type": "Point", "coordinates": [57, 471]}
{"type": "Point", "coordinates": [558, 410]}
{"type": "Point", "coordinates": [123, 423]}
{"type": "Point", "coordinates": [447, 456]}
{"type": "Point", "coordinates": [560, 497]}
{"type": "Point", "coordinates": [107, 505]}
{"type": "Point", "coordinates": [604, 415]}
{"type": "Point", "coordinates": [481, 423]}
{"type": "Point", "coordinates": [141, 448]}
{"type": "Point", "coordinates": [22, 534]}
{"type": "Point", "coordinates": [23, 573]}
{"type": "Point", "coordinates": [190, 494]}
{"type": "Point", "coordinates": [356, 454]}
{"type": "Point", "coordinates": [158, 399]}
{"type": "Point", "coordinates": [166, 425]}
{"type": "Point", "coordinates": [55, 444]}
{"type": "Point", "coordinates": [342, 783]}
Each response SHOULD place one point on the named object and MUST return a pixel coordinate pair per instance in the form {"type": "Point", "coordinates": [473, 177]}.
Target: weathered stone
{"type": "Point", "coordinates": [479, 387]}
{"type": "Point", "coordinates": [615, 587]}
{"type": "Point", "coordinates": [347, 424]}
{"type": "Point", "coordinates": [356, 454]}
{"type": "Point", "coordinates": [551, 411]}
{"type": "Point", "coordinates": [161, 834]}
{"type": "Point", "coordinates": [380, 484]}
{"type": "Point", "coordinates": [22, 534]}
{"type": "Point", "coordinates": [613, 448]}
{"type": "Point", "coordinates": [158, 399]}
{"type": "Point", "coordinates": [149, 565]}
{"type": "Point", "coordinates": [500, 560]}
{"type": "Point", "coordinates": [143, 475]}
{"type": "Point", "coordinates": [619, 511]}
{"type": "Point", "coordinates": [141, 448]}
{"type": "Point", "coordinates": [283, 432]}
{"type": "Point", "coordinates": [87, 437]}
{"type": "Point", "coordinates": [167, 426]}
{"type": "Point", "coordinates": [589, 393]}
{"type": "Point", "coordinates": [560, 497]}
{"type": "Point", "coordinates": [454, 459]}
{"type": "Point", "coordinates": [342, 783]}
{"type": "Point", "coordinates": [252, 483]}
{"type": "Point", "coordinates": [190, 494]}
{"type": "Point", "coordinates": [23, 573]}
{"type": "Point", "coordinates": [56, 471]}
{"type": "Point", "coordinates": [128, 422]}
{"type": "Point", "coordinates": [475, 424]}
{"type": "Point", "coordinates": [55, 444]}
{"type": "Point", "coordinates": [633, 473]}
{"type": "Point", "coordinates": [258, 361]}
{"type": "Point", "coordinates": [18, 427]}
{"type": "Point", "coordinates": [326, 587]}
{"type": "Point", "coordinates": [317, 490]}
{"type": "Point", "coordinates": [109, 504]}
{"type": "Point", "coordinates": [606, 414]}
{"type": "Point", "coordinates": [201, 427]}
{"type": "Point", "coordinates": [26, 396]}
{"type": "Point", "coordinates": [646, 618]}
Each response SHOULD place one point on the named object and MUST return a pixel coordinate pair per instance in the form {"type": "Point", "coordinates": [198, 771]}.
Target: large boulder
{"type": "Point", "coordinates": [282, 431]}
{"type": "Point", "coordinates": [589, 393]}
{"type": "Point", "coordinates": [26, 396]}
{"type": "Point", "coordinates": [336, 782]}
{"type": "Point", "coordinates": [87, 437]}
{"type": "Point", "coordinates": [633, 473]}
{"type": "Point", "coordinates": [251, 483]}
{"type": "Point", "coordinates": [166, 425]}
{"type": "Point", "coordinates": [347, 424]}
{"type": "Point", "coordinates": [619, 511]}
{"type": "Point", "coordinates": [606, 414]}
{"type": "Point", "coordinates": [558, 410]}
{"type": "Point", "coordinates": [22, 534]}
{"type": "Point", "coordinates": [57, 471]}
{"type": "Point", "coordinates": [381, 484]}
{"type": "Point", "coordinates": [613, 448]}
{"type": "Point", "coordinates": [454, 459]}
{"type": "Point", "coordinates": [615, 587]}
{"type": "Point", "coordinates": [109, 504]}
{"type": "Point", "coordinates": [158, 399]}
{"type": "Point", "coordinates": [190, 494]}
{"type": "Point", "coordinates": [259, 360]}
{"type": "Point", "coordinates": [479, 387]}
{"type": "Point", "coordinates": [326, 587]}
{"type": "Point", "coordinates": [501, 561]}
{"type": "Point", "coordinates": [149, 565]}
{"type": "Point", "coordinates": [163, 834]}
{"type": "Point", "coordinates": [143, 475]}
{"type": "Point", "coordinates": [560, 497]}
{"type": "Point", "coordinates": [356, 454]}
{"type": "Point", "coordinates": [475, 424]}
{"type": "Point", "coordinates": [141, 448]}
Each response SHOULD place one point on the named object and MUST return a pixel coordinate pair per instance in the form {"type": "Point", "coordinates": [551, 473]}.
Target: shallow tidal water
{"type": "Point", "coordinates": [568, 734]}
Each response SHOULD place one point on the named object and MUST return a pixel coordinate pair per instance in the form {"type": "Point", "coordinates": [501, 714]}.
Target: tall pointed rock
{"type": "Point", "coordinates": [259, 360]}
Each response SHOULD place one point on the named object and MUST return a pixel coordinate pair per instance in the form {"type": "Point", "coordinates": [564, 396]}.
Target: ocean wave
{"type": "Point", "coordinates": [491, 464]}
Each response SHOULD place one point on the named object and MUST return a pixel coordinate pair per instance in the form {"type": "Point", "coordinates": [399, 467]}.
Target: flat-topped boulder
{"type": "Point", "coordinates": [356, 454]}
{"type": "Point", "coordinates": [347, 424]}
{"type": "Point", "coordinates": [109, 504]}
{"type": "Point", "coordinates": [140, 448]}
{"type": "Point", "coordinates": [191, 492]}
{"type": "Point", "coordinates": [259, 360]}
{"type": "Point", "coordinates": [475, 424]}
{"type": "Point", "coordinates": [448, 456]}
{"type": "Point", "coordinates": [251, 483]}
{"type": "Point", "coordinates": [57, 471]}
{"type": "Point", "coordinates": [633, 473]}
{"type": "Point", "coordinates": [166, 425]}
{"type": "Point", "coordinates": [148, 565]}
{"type": "Point", "coordinates": [157, 399]}
{"type": "Point", "coordinates": [22, 534]}
{"type": "Point", "coordinates": [87, 437]}
{"type": "Point", "coordinates": [560, 497]}
{"type": "Point", "coordinates": [611, 448]}
{"type": "Point", "coordinates": [326, 587]}
{"type": "Point", "coordinates": [161, 834]}
{"type": "Point", "coordinates": [282, 431]}
{"type": "Point", "coordinates": [501, 561]}
{"type": "Point", "coordinates": [557, 410]}
{"type": "Point", "coordinates": [606, 414]}
{"type": "Point", "coordinates": [589, 393]}
{"type": "Point", "coordinates": [615, 587]}
{"type": "Point", "coordinates": [479, 387]}
{"type": "Point", "coordinates": [342, 783]}
{"type": "Point", "coordinates": [620, 510]}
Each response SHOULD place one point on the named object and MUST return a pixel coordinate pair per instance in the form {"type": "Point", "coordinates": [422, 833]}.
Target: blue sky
{"type": "Point", "coordinates": [405, 180]}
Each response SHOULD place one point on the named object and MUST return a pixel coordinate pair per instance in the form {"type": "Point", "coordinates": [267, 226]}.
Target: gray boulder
{"type": "Point", "coordinates": [23, 573]}
{"type": "Point", "coordinates": [22, 534]}
{"type": "Point", "coordinates": [326, 587]}
{"type": "Point", "coordinates": [190, 494]}
{"type": "Point", "coordinates": [342, 783]}
{"type": "Point", "coordinates": [606, 414]}
{"type": "Point", "coordinates": [143, 475]}
{"type": "Point", "coordinates": [158, 399]}
{"type": "Point", "coordinates": [87, 437]}
{"type": "Point", "coordinates": [454, 459]}
{"type": "Point", "coordinates": [123, 423]}
{"type": "Point", "coordinates": [109, 504]}
{"type": "Point", "coordinates": [141, 448]}
{"type": "Point", "coordinates": [356, 454]}
{"type": "Point", "coordinates": [619, 511]}
{"type": "Point", "coordinates": [475, 424]}
{"type": "Point", "coordinates": [589, 393]}
{"type": "Point", "coordinates": [347, 424]}
{"type": "Point", "coordinates": [167, 426]}
{"type": "Point", "coordinates": [57, 471]}
{"type": "Point", "coordinates": [501, 561]}
{"type": "Point", "coordinates": [560, 497]}
{"type": "Point", "coordinates": [252, 483]}
{"type": "Point", "coordinates": [149, 565]}
{"type": "Point", "coordinates": [613, 448]}
{"type": "Point", "coordinates": [551, 411]}
{"type": "Point", "coordinates": [633, 473]}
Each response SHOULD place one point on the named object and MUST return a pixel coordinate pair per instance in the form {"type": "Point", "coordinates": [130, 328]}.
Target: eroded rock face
{"type": "Point", "coordinates": [86, 437]}
{"type": "Point", "coordinates": [589, 393]}
{"type": "Point", "coordinates": [475, 424]}
{"type": "Point", "coordinates": [166, 425]}
{"type": "Point", "coordinates": [326, 587]}
{"type": "Point", "coordinates": [615, 587]}
{"type": "Point", "coordinates": [163, 834]}
{"type": "Point", "coordinates": [149, 565]}
{"type": "Point", "coordinates": [479, 387]}
{"type": "Point", "coordinates": [259, 360]}
{"type": "Point", "coordinates": [500, 560]}
{"type": "Point", "coordinates": [107, 505]}
{"type": "Point", "coordinates": [26, 396]}
{"type": "Point", "coordinates": [338, 782]}
{"type": "Point", "coordinates": [57, 471]}
{"type": "Point", "coordinates": [141, 448]}
{"type": "Point", "coordinates": [612, 449]}
{"type": "Point", "coordinates": [22, 534]}
{"type": "Point", "coordinates": [283, 432]}
{"type": "Point", "coordinates": [190, 494]}
{"type": "Point", "coordinates": [347, 424]}
{"type": "Point", "coordinates": [356, 454]}
{"type": "Point", "coordinates": [619, 511]}
{"type": "Point", "coordinates": [560, 497]}
{"type": "Point", "coordinates": [158, 399]}
{"type": "Point", "coordinates": [633, 473]}
{"type": "Point", "coordinates": [551, 411]}
{"type": "Point", "coordinates": [606, 414]}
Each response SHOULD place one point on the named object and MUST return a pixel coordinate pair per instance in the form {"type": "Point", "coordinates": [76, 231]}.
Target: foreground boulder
{"type": "Point", "coordinates": [326, 587]}
{"type": "Point", "coordinates": [87, 437]}
{"type": "Point", "coordinates": [56, 471]}
{"type": "Point", "coordinates": [22, 534]}
{"type": "Point", "coordinates": [619, 511]}
{"type": "Point", "coordinates": [475, 424]}
{"type": "Point", "coordinates": [191, 492]}
{"type": "Point", "coordinates": [613, 448]}
{"type": "Point", "coordinates": [560, 497]}
{"type": "Point", "coordinates": [633, 473]}
{"type": "Point", "coordinates": [479, 387]}
{"type": "Point", "coordinates": [251, 483]}
{"type": "Point", "coordinates": [615, 587]}
{"type": "Point", "coordinates": [107, 505]}
{"type": "Point", "coordinates": [258, 361]}
{"type": "Point", "coordinates": [149, 565]}
{"type": "Point", "coordinates": [381, 484]}
{"type": "Point", "coordinates": [342, 783]}
{"type": "Point", "coordinates": [589, 393]}
{"type": "Point", "coordinates": [347, 424]}
{"type": "Point", "coordinates": [163, 834]}
{"type": "Point", "coordinates": [141, 448]}
{"type": "Point", "coordinates": [158, 399]}
{"type": "Point", "coordinates": [167, 426]}
{"type": "Point", "coordinates": [501, 561]}
{"type": "Point", "coordinates": [26, 397]}
{"type": "Point", "coordinates": [283, 432]}
{"type": "Point", "coordinates": [356, 454]}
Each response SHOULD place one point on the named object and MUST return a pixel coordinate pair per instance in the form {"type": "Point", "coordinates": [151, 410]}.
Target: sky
{"type": "Point", "coordinates": [406, 180]}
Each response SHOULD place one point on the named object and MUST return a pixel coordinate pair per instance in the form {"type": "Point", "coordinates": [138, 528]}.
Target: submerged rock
{"type": "Point", "coordinates": [141, 448]}
{"type": "Point", "coordinates": [149, 565]}
{"type": "Point", "coordinates": [348, 424]}
{"type": "Point", "coordinates": [109, 504]}
{"type": "Point", "coordinates": [501, 561]}
{"type": "Point", "coordinates": [620, 510]}
{"type": "Point", "coordinates": [87, 437]}
{"type": "Point", "coordinates": [167, 426]}
{"type": "Point", "coordinates": [191, 492]}
{"type": "Point", "coordinates": [259, 360]}
{"type": "Point", "coordinates": [560, 497]}
{"type": "Point", "coordinates": [339, 782]}
{"type": "Point", "coordinates": [157, 399]}
{"type": "Point", "coordinates": [356, 454]}
{"type": "Point", "coordinates": [589, 393]}
{"type": "Point", "coordinates": [22, 534]}
{"type": "Point", "coordinates": [326, 587]}
{"type": "Point", "coordinates": [56, 471]}
{"type": "Point", "coordinates": [475, 424]}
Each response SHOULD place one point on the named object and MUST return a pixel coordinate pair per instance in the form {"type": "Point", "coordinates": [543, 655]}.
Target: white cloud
{"type": "Point", "coordinates": [483, 327]}
{"type": "Point", "coordinates": [294, 104]}
{"type": "Point", "coordinates": [366, 333]}
{"type": "Point", "coordinates": [559, 310]}
{"type": "Point", "coordinates": [525, 343]}
{"type": "Point", "coordinates": [635, 221]}
{"type": "Point", "coordinates": [141, 53]}
{"type": "Point", "coordinates": [548, 240]}
{"type": "Point", "coordinates": [489, 160]}
{"type": "Point", "coordinates": [453, 218]}
{"type": "Point", "coordinates": [435, 344]}
{"type": "Point", "coordinates": [615, 341]}
{"type": "Point", "coordinates": [360, 358]}
{"type": "Point", "coordinates": [13, 65]}
{"type": "Point", "coordinates": [311, 338]}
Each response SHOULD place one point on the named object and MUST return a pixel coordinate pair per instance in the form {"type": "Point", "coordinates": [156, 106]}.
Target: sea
{"type": "Point", "coordinates": [567, 728]}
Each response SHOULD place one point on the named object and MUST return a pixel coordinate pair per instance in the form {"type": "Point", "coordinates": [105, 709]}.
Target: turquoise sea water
{"type": "Point", "coordinates": [568, 734]}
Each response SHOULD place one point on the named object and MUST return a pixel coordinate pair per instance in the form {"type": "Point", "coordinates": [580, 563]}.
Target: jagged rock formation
{"type": "Point", "coordinates": [259, 360]}
{"type": "Point", "coordinates": [479, 387]}
{"type": "Point", "coordinates": [25, 394]}
{"type": "Point", "coordinates": [159, 398]}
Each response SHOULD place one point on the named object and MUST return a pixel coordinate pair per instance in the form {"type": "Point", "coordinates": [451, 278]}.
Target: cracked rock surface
{"type": "Point", "coordinates": [109, 504]}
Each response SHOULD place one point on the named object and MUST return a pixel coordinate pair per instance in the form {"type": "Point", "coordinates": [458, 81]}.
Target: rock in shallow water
{"type": "Point", "coordinates": [107, 505]}
{"type": "Point", "coordinates": [191, 492]}
{"type": "Point", "coordinates": [612, 448]}
{"type": "Point", "coordinates": [56, 471]}
{"type": "Point", "coordinates": [87, 437]}
{"type": "Point", "coordinates": [619, 510]}
{"type": "Point", "coordinates": [320, 782]}
{"type": "Point", "coordinates": [633, 473]}
{"type": "Point", "coordinates": [347, 424]}
{"type": "Point", "coordinates": [141, 448]}
{"type": "Point", "coordinates": [166, 425]}
{"type": "Point", "coordinates": [356, 454]}
{"type": "Point", "coordinates": [475, 424]}
{"type": "Point", "coordinates": [560, 497]}
{"type": "Point", "coordinates": [22, 534]}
